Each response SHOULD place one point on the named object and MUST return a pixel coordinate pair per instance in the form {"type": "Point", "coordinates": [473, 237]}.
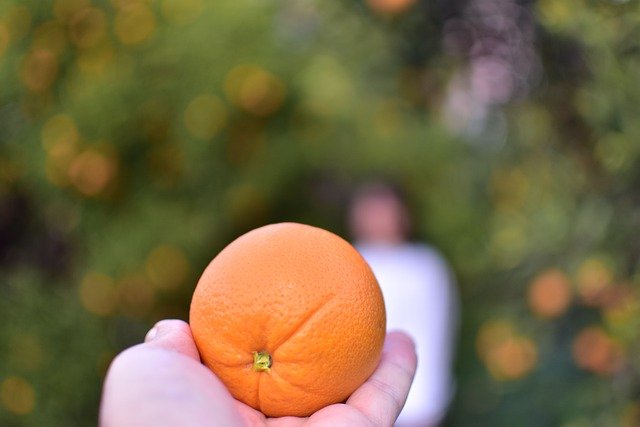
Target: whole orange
{"type": "Point", "coordinates": [290, 318]}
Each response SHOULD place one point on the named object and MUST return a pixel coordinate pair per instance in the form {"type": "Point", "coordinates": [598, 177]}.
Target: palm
{"type": "Point", "coordinates": [377, 402]}
{"type": "Point", "coordinates": [163, 383]}
{"type": "Point", "coordinates": [334, 415]}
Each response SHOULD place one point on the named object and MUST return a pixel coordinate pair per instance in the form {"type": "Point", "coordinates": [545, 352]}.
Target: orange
{"type": "Point", "coordinates": [290, 318]}
{"type": "Point", "coordinates": [390, 7]}
{"type": "Point", "coordinates": [550, 294]}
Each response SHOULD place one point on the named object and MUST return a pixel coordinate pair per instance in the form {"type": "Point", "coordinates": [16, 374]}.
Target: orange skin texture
{"type": "Point", "coordinates": [305, 296]}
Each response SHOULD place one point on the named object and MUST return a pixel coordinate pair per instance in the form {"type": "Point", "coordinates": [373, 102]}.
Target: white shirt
{"type": "Point", "coordinates": [421, 299]}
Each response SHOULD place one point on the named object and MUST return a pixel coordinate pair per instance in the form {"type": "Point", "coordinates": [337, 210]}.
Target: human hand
{"type": "Point", "coordinates": [162, 383]}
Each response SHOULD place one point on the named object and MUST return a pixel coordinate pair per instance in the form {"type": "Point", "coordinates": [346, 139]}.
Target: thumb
{"type": "Point", "coordinates": [162, 383]}
{"type": "Point", "coordinates": [172, 335]}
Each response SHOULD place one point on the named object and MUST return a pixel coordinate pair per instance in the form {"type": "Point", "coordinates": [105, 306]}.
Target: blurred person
{"type": "Point", "coordinates": [163, 383]}
{"type": "Point", "coordinates": [419, 292]}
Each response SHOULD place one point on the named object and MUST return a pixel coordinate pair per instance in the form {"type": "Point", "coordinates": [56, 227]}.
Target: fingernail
{"type": "Point", "coordinates": [151, 334]}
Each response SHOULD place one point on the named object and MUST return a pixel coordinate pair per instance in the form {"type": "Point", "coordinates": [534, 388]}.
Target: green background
{"type": "Point", "coordinates": [139, 137]}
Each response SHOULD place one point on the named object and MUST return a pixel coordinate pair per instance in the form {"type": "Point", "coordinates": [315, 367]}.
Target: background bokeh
{"type": "Point", "coordinates": [138, 137]}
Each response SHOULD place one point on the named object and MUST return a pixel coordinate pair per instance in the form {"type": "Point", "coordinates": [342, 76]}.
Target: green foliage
{"type": "Point", "coordinates": [137, 138]}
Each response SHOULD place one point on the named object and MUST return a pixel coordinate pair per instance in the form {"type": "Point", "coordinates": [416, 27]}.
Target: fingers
{"type": "Point", "coordinates": [162, 383]}
{"type": "Point", "coordinates": [382, 396]}
{"type": "Point", "coordinates": [172, 335]}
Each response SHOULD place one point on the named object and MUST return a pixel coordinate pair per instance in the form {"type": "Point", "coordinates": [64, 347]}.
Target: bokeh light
{"type": "Point", "coordinates": [390, 6]}
{"type": "Point", "coordinates": [167, 267]}
{"type": "Point", "coordinates": [593, 277]}
{"type": "Point", "coordinates": [508, 244]}
{"type": "Point", "coordinates": [134, 23]}
{"type": "Point", "coordinates": [65, 10]}
{"type": "Point", "coordinates": [491, 334]}
{"type": "Point", "coordinates": [205, 116]}
{"type": "Point", "coordinates": [98, 294]}
{"type": "Point", "coordinates": [39, 70]}
{"type": "Point", "coordinates": [555, 13]}
{"type": "Point", "coordinates": [17, 395]}
{"type": "Point", "coordinates": [327, 87]}
{"type": "Point", "coordinates": [50, 36]}
{"type": "Point", "coordinates": [88, 27]}
{"type": "Point", "coordinates": [506, 354]}
{"type": "Point", "coordinates": [95, 61]}
{"type": "Point", "coordinates": [61, 141]}
{"type": "Point", "coordinates": [550, 294]}
{"type": "Point", "coordinates": [255, 90]}
{"type": "Point", "coordinates": [59, 133]}
{"type": "Point", "coordinates": [631, 415]}
{"type": "Point", "coordinates": [595, 351]}
{"type": "Point", "coordinates": [621, 310]}
{"type": "Point", "coordinates": [616, 152]}
{"type": "Point", "coordinates": [181, 12]}
{"type": "Point", "coordinates": [93, 171]}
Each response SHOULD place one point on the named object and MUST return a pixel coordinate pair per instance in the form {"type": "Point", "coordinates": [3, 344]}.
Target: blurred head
{"type": "Point", "coordinates": [379, 214]}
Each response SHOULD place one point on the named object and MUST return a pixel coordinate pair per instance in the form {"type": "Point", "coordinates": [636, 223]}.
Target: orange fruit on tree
{"type": "Point", "coordinates": [290, 317]}
{"type": "Point", "coordinates": [390, 6]}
